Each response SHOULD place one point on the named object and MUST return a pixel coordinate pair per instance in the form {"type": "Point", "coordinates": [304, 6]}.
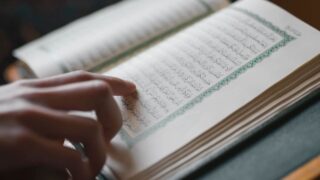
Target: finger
{"type": "Point", "coordinates": [60, 125]}
{"type": "Point", "coordinates": [56, 124]}
{"type": "Point", "coordinates": [44, 152]}
{"type": "Point", "coordinates": [119, 86]}
{"type": "Point", "coordinates": [85, 96]}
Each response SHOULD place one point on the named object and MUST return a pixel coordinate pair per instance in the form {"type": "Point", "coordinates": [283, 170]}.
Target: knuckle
{"type": "Point", "coordinates": [22, 91]}
{"type": "Point", "coordinates": [17, 141]}
{"type": "Point", "coordinates": [22, 137]}
{"type": "Point", "coordinates": [29, 93]}
{"type": "Point", "coordinates": [101, 88]}
{"type": "Point", "coordinates": [25, 112]}
{"type": "Point", "coordinates": [83, 75]}
{"type": "Point", "coordinates": [21, 82]}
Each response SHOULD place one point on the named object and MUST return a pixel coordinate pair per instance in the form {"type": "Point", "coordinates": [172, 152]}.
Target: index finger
{"type": "Point", "coordinates": [118, 86]}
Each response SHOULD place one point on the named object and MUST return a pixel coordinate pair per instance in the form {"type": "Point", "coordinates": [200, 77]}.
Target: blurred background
{"type": "Point", "coordinates": [22, 21]}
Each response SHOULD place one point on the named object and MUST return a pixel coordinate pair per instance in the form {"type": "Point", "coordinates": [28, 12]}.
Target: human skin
{"type": "Point", "coordinates": [34, 121]}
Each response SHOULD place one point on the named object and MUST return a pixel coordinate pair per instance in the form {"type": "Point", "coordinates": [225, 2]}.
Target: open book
{"type": "Point", "coordinates": [205, 80]}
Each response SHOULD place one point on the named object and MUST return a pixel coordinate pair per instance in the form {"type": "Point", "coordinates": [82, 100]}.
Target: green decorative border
{"type": "Point", "coordinates": [286, 38]}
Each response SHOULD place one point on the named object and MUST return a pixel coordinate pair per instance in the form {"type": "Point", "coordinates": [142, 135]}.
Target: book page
{"type": "Point", "coordinates": [110, 34]}
{"type": "Point", "coordinates": [197, 61]}
{"type": "Point", "coordinates": [192, 81]}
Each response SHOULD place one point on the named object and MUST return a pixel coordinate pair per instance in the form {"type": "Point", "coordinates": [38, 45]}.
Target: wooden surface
{"type": "Point", "coordinates": [308, 10]}
{"type": "Point", "coordinates": [309, 171]}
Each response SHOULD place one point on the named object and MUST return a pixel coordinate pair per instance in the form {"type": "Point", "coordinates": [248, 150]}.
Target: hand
{"type": "Point", "coordinates": [34, 121]}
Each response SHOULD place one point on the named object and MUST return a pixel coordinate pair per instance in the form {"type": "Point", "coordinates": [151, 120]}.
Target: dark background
{"type": "Point", "coordinates": [24, 20]}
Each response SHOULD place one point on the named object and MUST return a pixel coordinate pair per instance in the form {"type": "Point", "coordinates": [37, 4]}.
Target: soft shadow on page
{"type": "Point", "coordinates": [192, 81]}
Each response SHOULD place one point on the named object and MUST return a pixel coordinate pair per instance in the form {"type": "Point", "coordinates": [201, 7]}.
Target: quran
{"type": "Point", "coordinates": [207, 73]}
